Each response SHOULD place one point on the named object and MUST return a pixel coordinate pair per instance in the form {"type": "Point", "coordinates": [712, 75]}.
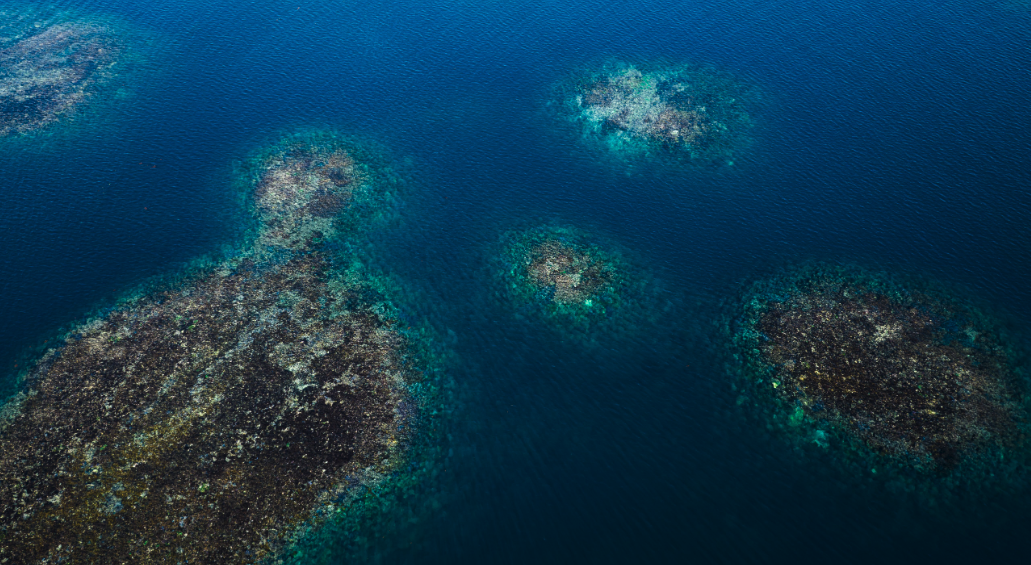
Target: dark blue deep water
{"type": "Point", "coordinates": [895, 135]}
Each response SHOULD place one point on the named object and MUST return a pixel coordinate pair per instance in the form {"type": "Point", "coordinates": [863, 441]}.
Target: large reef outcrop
{"type": "Point", "coordinates": [893, 377]}
{"type": "Point", "coordinates": [209, 420]}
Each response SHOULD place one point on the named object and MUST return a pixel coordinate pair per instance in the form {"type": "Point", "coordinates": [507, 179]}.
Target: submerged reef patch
{"type": "Point", "coordinates": [903, 381]}
{"type": "Point", "coordinates": [216, 420]}
{"type": "Point", "coordinates": [316, 185]}
{"type": "Point", "coordinates": [568, 277]}
{"type": "Point", "coordinates": [51, 67]}
{"type": "Point", "coordinates": [684, 112]}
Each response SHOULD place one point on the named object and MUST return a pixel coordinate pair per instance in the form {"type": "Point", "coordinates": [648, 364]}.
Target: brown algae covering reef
{"type": "Point", "coordinates": [902, 382]}
{"type": "Point", "coordinates": [571, 279]}
{"type": "Point", "coordinates": [49, 66]}
{"type": "Point", "coordinates": [694, 114]}
{"type": "Point", "coordinates": [213, 421]}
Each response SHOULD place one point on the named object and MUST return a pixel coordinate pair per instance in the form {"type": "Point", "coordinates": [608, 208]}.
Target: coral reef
{"type": "Point", "coordinates": [564, 275]}
{"type": "Point", "coordinates": [46, 71]}
{"type": "Point", "coordinates": [687, 112]}
{"type": "Point", "coordinates": [317, 185]}
{"type": "Point", "coordinates": [571, 273]}
{"type": "Point", "coordinates": [213, 420]}
{"type": "Point", "coordinates": [894, 376]}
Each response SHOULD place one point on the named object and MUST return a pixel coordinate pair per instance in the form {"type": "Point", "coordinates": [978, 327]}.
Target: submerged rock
{"type": "Point", "coordinates": [209, 421]}
{"type": "Point", "coordinates": [891, 376]}
{"type": "Point", "coordinates": [48, 71]}
{"type": "Point", "coordinates": [570, 274]}
{"type": "Point", "coordinates": [314, 186]}
{"type": "Point", "coordinates": [568, 278]}
{"type": "Point", "coordinates": [684, 112]}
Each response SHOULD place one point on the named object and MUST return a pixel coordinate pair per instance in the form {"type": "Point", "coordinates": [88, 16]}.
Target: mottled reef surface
{"type": "Point", "coordinates": [207, 421]}
{"type": "Point", "coordinates": [689, 113]}
{"type": "Point", "coordinates": [887, 374]}
{"type": "Point", "coordinates": [49, 68]}
{"type": "Point", "coordinates": [572, 280]}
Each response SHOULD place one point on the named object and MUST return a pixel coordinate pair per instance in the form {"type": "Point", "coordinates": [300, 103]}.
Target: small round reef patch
{"type": "Point", "coordinates": [313, 186]}
{"type": "Point", "coordinates": [690, 113]}
{"type": "Point", "coordinates": [892, 376]}
{"type": "Point", "coordinates": [47, 71]}
{"type": "Point", "coordinates": [564, 275]}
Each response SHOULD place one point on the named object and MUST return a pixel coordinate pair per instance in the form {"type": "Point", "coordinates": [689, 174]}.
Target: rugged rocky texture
{"type": "Point", "coordinates": [569, 272]}
{"type": "Point", "coordinates": [214, 419]}
{"type": "Point", "coordinates": [196, 424]}
{"type": "Point", "coordinates": [52, 70]}
{"type": "Point", "coordinates": [914, 377]}
{"type": "Point", "coordinates": [691, 113]}
{"type": "Point", "coordinates": [573, 281]}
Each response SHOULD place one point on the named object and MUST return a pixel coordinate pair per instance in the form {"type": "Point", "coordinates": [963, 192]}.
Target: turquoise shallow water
{"type": "Point", "coordinates": [893, 135]}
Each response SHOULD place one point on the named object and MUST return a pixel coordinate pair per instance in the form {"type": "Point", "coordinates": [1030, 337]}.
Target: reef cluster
{"type": "Point", "coordinates": [208, 421]}
{"type": "Point", "coordinates": [224, 417]}
{"type": "Point", "coordinates": [49, 70]}
{"type": "Point", "coordinates": [682, 111]}
{"type": "Point", "coordinates": [890, 376]}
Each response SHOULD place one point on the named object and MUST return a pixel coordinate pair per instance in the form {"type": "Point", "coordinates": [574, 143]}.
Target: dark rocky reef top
{"type": "Point", "coordinates": [913, 376]}
{"type": "Point", "coordinates": [198, 424]}
{"type": "Point", "coordinates": [50, 72]}
{"type": "Point", "coordinates": [210, 421]}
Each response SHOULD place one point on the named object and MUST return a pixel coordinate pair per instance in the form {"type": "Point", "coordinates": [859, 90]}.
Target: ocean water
{"type": "Point", "coordinates": [896, 135]}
